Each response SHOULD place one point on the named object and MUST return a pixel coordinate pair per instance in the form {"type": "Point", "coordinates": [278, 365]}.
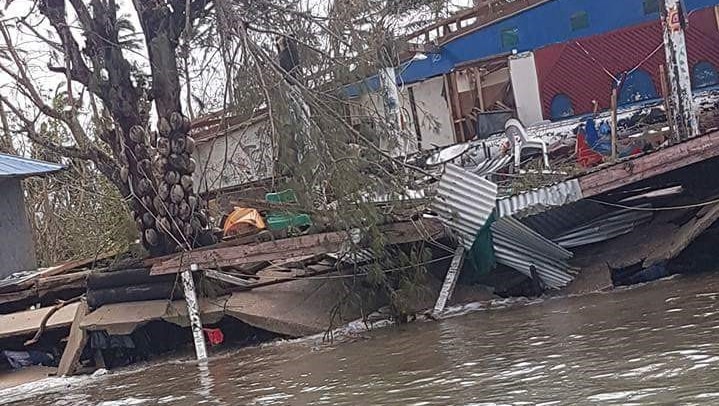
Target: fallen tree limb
{"type": "Point", "coordinates": [46, 318]}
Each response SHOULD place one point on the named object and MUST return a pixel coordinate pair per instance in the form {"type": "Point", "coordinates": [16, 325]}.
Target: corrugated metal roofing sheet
{"type": "Point", "coordinates": [539, 200]}
{"type": "Point", "coordinates": [605, 228]}
{"type": "Point", "coordinates": [519, 247]}
{"type": "Point", "coordinates": [464, 202]}
{"type": "Point", "coordinates": [16, 166]}
{"type": "Point", "coordinates": [567, 69]}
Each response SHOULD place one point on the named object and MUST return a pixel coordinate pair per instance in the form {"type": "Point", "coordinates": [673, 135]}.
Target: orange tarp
{"type": "Point", "coordinates": [243, 220]}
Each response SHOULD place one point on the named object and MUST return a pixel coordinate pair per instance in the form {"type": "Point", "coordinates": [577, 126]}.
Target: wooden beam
{"type": "Point", "coordinates": [223, 277]}
{"type": "Point", "coordinates": [398, 233]}
{"type": "Point", "coordinates": [649, 165]}
{"type": "Point", "coordinates": [450, 281]}
{"type": "Point", "coordinates": [684, 236]}
{"type": "Point", "coordinates": [77, 280]}
{"type": "Point", "coordinates": [75, 343]}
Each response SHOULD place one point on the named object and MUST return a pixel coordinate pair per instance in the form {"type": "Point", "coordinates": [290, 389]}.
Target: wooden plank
{"type": "Point", "coordinates": [223, 277]}
{"type": "Point", "coordinates": [17, 296]}
{"type": "Point", "coordinates": [450, 281]}
{"type": "Point", "coordinates": [75, 343]}
{"type": "Point", "coordinates": [649, 165]}
{"type": "Point", "coordinates": [28, 321]}
{"type": "Point", "coordinates": [398, 233]}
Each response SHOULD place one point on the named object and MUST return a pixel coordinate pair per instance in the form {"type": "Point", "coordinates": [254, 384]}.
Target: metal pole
{"type": "Point", "coordinates": [674, 23]}
{"type": "Point", "coordinates": [193, 311]}
{"type": "Point", "coordinates": [390, 98]}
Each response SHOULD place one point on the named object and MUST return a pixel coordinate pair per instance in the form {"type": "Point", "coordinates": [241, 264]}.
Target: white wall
{"type": "Point", "coordinates": [370, 106]}
{"type": "Point", "coordinates": [17, 249]}
{"type": "Point", "coordinates": [525, 84]}
{"type": "Point", "coordinates": [433, 113]}
{"type": "Point", "coordinates": [243, 155]}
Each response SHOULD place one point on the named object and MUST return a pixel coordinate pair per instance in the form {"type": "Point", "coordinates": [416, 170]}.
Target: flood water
{"type": "Point", "coordinates": [653, 344]}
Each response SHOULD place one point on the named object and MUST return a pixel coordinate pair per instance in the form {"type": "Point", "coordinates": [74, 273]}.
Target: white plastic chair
{"type": "Point", "coordinates": [520, 140]}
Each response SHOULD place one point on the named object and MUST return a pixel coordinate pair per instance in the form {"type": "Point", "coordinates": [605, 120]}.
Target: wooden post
{"type": "Point", "coordinates": [193, 311]}
{"type": "Point", "coordinates": [75, 343]}
{"type": "Point", "coordinates": [667, 98]}
{"type": "Point", "coordinates": [614, 125]}
{"type": "Point", "coordinates": [450, 281]}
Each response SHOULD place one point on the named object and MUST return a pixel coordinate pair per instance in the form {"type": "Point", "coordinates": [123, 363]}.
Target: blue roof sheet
{"type": "Point", "coordinates": [17, 166]}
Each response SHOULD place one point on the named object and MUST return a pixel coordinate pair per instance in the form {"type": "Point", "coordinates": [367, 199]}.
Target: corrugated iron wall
{"type": "Point", "coordinates": [577, 68]}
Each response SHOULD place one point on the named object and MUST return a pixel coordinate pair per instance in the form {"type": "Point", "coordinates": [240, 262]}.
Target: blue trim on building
{"type": "Point", "coordinates": [538, 27]}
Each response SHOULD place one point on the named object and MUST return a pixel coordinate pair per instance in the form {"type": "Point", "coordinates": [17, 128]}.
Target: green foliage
{"type": "Point", "coordinates": [77, 213]}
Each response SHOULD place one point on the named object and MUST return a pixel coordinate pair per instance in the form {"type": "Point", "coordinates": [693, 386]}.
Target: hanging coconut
{"type": "Point", "coordinates": [172, 177]}
{"type": "Point", "coordinates": [186, 124]}
{"type": "Point", "coordinates": [159, 205]}
{"type": "Point", "coordinates": [145, 167]}
{"type": "Point", "coordinates": [184, 211]}
{"type": "Point", "coordinates": [178, 162]}
{"type": "Point", "coordinates": [176, 122]}
{"type": "Point", "coordinates": [147, 202]}
{"type": "Point", "coordinates": [163, 190]}
{"type": "Point", "coordinates": [171, 210]}
{"type": "Point", "coordinates": [144, 186]}
{"type": "Point", "coordinates": [160, 163]}
{"type": "Point", "coordinates": [164, 224]}
{"type": "Point", "coordinates": [177, 194]}
{"type": "Point", "coordinates": [163, 146]}
{"type": "Point", "coordinates": [148, 219]}
{"type": "Point", "coordinates": [191, 165]}
{"type": "Point", "coordinates": [192, 202]}
{"type": "Point", "coordinates": [189, 145]}
{"type": "Point", "coordinates": [177, 145]}
{"type": "Point", "coordinates": [151, 237]}
{"type": "Point", "coordinates": [186, 182]}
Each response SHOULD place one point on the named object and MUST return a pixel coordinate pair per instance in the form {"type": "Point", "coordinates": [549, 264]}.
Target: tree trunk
{"type": "Point", "coordinates": [180, 217]}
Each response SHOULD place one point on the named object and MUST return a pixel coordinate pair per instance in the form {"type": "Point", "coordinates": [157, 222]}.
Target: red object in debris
{"type": "Point", "coordinates": [587, 157]}
{"type": "Point", "coordinates": [214, 336]}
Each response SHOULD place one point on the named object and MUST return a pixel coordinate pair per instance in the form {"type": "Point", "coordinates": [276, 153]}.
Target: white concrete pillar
{"type": "Point", "coordinates": [193, 312]}
{"type": "Point", "coordinates": [686, 124]}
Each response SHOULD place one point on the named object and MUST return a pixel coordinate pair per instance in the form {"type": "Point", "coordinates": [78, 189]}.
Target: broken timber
{"type": "Point", "coordinates": [668, 159]}
{"type": "Point", "coordinates": [450, 281]}
{"type": "Point", "coordinates": [397, 233]}
{"type": "Point", "coordinates": [684, 236]}
{"type": "Point", "coordinates": [75, 343]}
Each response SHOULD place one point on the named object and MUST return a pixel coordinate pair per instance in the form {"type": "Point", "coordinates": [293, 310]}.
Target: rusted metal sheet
{"type": "Point", "coordinates": [464, 202]}
{"type": "Point", "coordinates": [539, 200]}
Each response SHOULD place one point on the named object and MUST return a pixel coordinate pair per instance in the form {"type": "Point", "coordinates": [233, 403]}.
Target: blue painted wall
{"type": "Point", "coordinates": [538, 27]}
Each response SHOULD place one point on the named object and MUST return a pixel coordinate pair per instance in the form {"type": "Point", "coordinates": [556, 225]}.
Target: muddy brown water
{"type": "Point", "coordinates": [653, 344]}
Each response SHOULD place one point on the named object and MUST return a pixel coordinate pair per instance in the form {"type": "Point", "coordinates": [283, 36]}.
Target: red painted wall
{"type": "Point", "coordinates": [577, 68]}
